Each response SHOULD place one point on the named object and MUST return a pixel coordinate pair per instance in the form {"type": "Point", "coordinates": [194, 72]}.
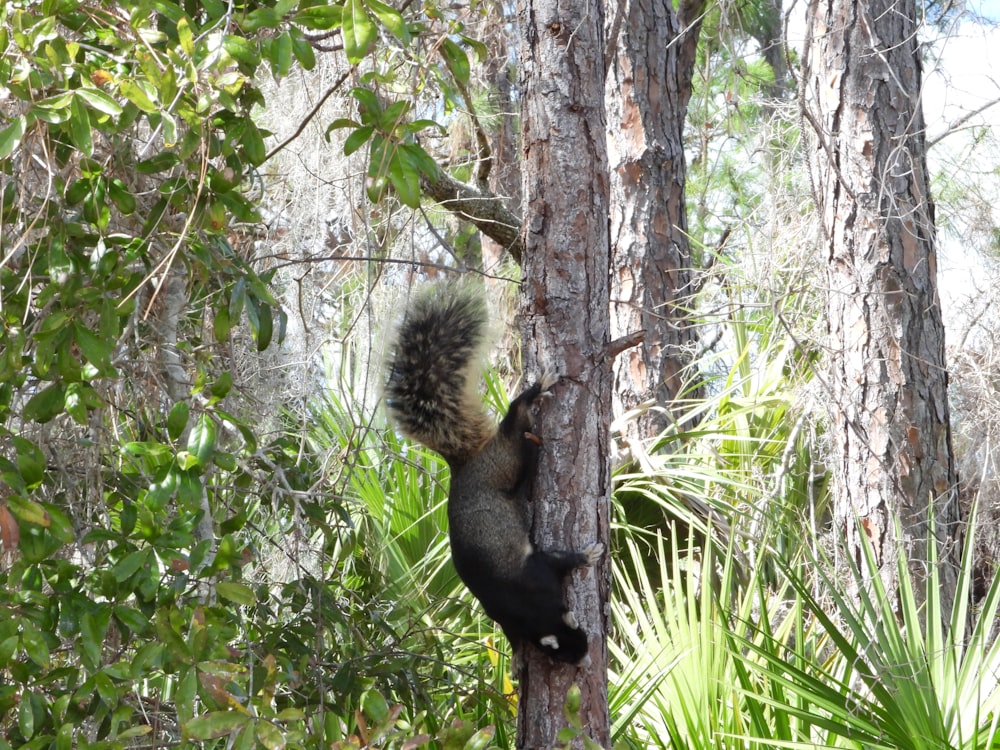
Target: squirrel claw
{"type": "Point", "coordinates": [532, 438]}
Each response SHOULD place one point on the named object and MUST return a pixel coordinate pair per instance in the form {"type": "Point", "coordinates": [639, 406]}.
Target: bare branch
{"type": "Point", "coordinates": [486, 211]}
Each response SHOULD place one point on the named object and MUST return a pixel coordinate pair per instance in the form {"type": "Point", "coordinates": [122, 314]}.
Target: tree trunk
{"type": "Point", "coordinates": [890, 430]}
{"type": "Point", "coordinates": [648, 90]}
{"type": "Point", "coordinates": [565, 325]}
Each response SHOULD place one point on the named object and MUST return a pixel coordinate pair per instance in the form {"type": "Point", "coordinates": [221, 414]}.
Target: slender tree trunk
{"type": "Point", "coordinates": [648, 90]}
{"type": "Point", "coordinates": [565, 326]}
{"type": "Point", "coordinates": [891, 431]}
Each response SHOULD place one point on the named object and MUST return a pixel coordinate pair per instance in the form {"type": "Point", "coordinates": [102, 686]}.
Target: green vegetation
{"type": "Point", "coordinates": [182, 565]}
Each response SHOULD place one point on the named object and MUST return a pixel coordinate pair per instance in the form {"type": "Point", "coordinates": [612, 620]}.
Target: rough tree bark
{"type": "Point", "coordinates": [647, 93]}
{"type": "Point", "coordinates": [565, 325]}
{"type": "Point", "coordinates": [891, 427]}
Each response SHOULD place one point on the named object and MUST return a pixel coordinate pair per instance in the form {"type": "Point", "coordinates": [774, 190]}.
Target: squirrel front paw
{"type": "Point", "coordinates": [593, 552]}
{"type": "Point", "coordinates": [547, 379]}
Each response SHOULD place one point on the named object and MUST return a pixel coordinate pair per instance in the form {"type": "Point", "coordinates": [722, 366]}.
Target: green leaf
{"type": "Point", "coordinates": [79, 127]}
{"type": "Point", "coordinates": [30, 461]}
{"type": "Point", "coordinates": [419, 159]}
{"type": "Point", "coordinates": [201, 441]}
{"type": "Point", "coordinates": [358, 31]}
{"type": "Point", "coordinates": [281, 55]}
{"type": "Point", "coordinates": [159, 163]}
{"type": "Point", "coordinates": [319, 17]}
{"type": "Point", "coordinates": [121, 196]}
{"type": "Point", "coordinates": [177, 419]}
{"type": "Point", "coordinates": [97, 350]}
{"type": "Point", "coordinates": [28, 510]}
{"type": "Point", "coordinates": [214, 725]}
{"type": "Point", "coordinates": [302, 50]}
{"type": "Point", "coordinates": [45, 404]}
{"type": "Point", "coordinates": [357, 139]}
{"type": "Point", "coordinates": [457, 60]}
{"type": "Point", "coordinates": [128, 565]}
{"type": "Point", "coordinates": [481, 50]}
{"type": "Point", "coordinates": [33, 643]}
{"type": "Point", "coordinates": [265, 327]}
{"type": "Point", "coordinates": [404, 179]}
{"type": "Point", "coordinates": [137, 95]}
{"type": "Point", "coordinates": [369, 105]}
{"type": "Point", "coordinates": [270, 736]}
{"type": "Point", "coordinates": [221, 324]}
{"type": "Point", "coordinates": [390, 18]}
{"type": "Point", "coordinates": [242, 50]}
{"type": "Point", "coordinates": [185, 37]}
{"type": "Point", "coordinates": [253, 144]}
{"type": "Point", "coordinates": [394, 114]}
{"type": "Point", "coordinates": [10, 136]}
{"type": "Point", "coordinates": [98, 100]}
{"type": "Point", "coordinates": [93, 627]}
{"type": "Point", "coordinates": [237, 593]}
{"type": "Point", "coordinates": [221, 387]}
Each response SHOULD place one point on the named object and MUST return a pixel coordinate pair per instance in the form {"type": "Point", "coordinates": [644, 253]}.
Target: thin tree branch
{"type": "Point", "coordinates": [486, 211]}
{"type": "Point", "coordinates": [312, 114]}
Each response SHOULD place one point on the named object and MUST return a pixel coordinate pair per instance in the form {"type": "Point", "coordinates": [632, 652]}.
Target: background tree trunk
{"type": "Point", "coordinates": [648, 90]}
{"type": "Point", "coordinates": [891, 430]}
{"type": "Point", "coordinates": [565, 325]}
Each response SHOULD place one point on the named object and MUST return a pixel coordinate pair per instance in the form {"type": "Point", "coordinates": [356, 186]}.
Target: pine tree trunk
{"type": "Point", "coordinates": [890, 428]}
{"type": "Point", "coordinates": [565, 325]}
{"type": "Point", "coordinates": [648, 90]}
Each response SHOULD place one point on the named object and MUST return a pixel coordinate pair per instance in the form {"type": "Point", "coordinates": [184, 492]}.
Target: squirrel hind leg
{"type": "Point", "coordinates": [566, 645]}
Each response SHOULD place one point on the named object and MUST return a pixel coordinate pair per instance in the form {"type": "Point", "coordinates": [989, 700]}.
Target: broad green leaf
{"type": "Point", "coordinates": [319, 17]}
{"type": "Point", "coordinates": [79, 127]}
{"type": "Point", "coordinates": [270, 736]}
{"type": "Point", "coordinates": [237, 593]}
{"type": "Point", "coordinates": [419, 159]}
{"type": "Point", "coordinates": [28, 510]}
{"type": "Point", "coordinates": [390, 18]}
{"type": "Point", "coordinates": [302, 50]}
{"type": "Point", "coordinates": [281, 55]}
{"type": "Point", "coordinates": [201, 441]}
{"type": "Point", "coordinates": [185, 37]}
{"type": "Point", "coordinates": [46, 404]}
{"type": "Point", "coordinates": [481, 50]}
{"type": "Point", "coordinates": [214, 725]}
{"type": "Point", "coordinates": [457, 60]}
{"type": "Point", "coordinates": [33, 643]}
{"type": "Point", "coordinates": [404, 179]}
{"type": "Point", "coordinates": [137, 95]}
{"type": "Point", "coordinates": [159, 163]}
{"type": "Point", "coordinates": [394, 114]}
{"type": "Point", "coordinates": [358, 31]}
{"type": "Point", "coordinates": [25, 712]}
{"type": "Point", "coordinates": [10, 136]}
{"type": "Point", "coordinates": [242, 51]}
{"type": "Point", "coordinates": [221, 325]}
{"type": "Point", "coordinates": [177, 419]}
{"type": "Point", "coordinates": [357, 139]}
{"type": "Point", "coordinates": [265, 326]}
{"type": "Point", "coordinates": [121, 196]}
{"type": "Point", "coordinates": [260, 18]}
{"type": "Point", "coordinates": [30, 461]}
{"type": "Point", "coordinates": [97, 350]}
{"type": "Point", "coordinates": [128, 565]}
{"type": "Point", "coordinates": [93, 627]}
{"type": "Point", "coordinates": [222, 386]}
{"type": "Point", "coordinates": [100, 101]}
{"type": "Point", "coordinates": [253, 144]}
{"type": "Point", "coordinates": [370, 107]}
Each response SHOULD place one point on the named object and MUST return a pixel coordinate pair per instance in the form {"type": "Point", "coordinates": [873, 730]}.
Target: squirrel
{"type": "Point", "coordinates": [431, 393]}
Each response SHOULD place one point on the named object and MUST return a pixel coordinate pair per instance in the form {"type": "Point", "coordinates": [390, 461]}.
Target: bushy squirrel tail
{"type": "Point", "coordinates": [435, 366]}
